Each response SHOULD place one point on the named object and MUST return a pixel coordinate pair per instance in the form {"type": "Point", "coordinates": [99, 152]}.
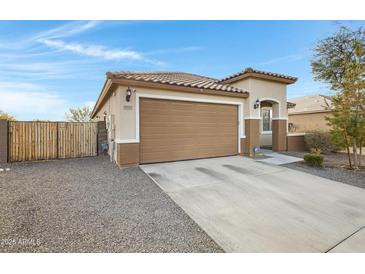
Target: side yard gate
{"type": "Point", "coordinates": [31, 141]}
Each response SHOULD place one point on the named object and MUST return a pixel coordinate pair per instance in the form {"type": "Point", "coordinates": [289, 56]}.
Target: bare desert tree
{"type": "Point", "coordinates": [82, 114]}
{"type": "Point", "coordinates": [6, 116]}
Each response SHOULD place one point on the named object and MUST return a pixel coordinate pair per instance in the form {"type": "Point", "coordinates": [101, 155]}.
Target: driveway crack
{"type": "Point", "coordinates": [340, 242]}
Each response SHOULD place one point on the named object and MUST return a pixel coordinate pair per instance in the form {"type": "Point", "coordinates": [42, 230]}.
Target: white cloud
{"type": "Point", "coordinates": [66, 30]}
{"type": "Point", "coordinates": [44, 70]}
{"type": "Point", "coordinates": [287, 58]}
{"type": "Point", "coordinates": [94, 50]}
{"type": "Point", "coordinates": [29, 101]}
{"type": "Point", "coordinates": [174, 50]}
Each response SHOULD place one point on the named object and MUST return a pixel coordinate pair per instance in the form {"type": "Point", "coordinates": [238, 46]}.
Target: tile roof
{"type": "Point", "coordinates": [251, 70]}
{"type": "Point", "coordinates": [177, 79]}
{"type": "Point", "coordinates": [309, 104]}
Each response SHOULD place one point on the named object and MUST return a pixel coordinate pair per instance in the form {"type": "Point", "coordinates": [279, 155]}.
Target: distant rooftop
{"type": "Point", "coordinates": [307, 104]}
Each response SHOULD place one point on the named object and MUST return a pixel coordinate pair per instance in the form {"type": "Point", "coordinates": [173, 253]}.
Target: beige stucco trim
{"type": "Point", "coordinates": [126, 141]}
{"type": "Point", "coordinates": [273, 111]}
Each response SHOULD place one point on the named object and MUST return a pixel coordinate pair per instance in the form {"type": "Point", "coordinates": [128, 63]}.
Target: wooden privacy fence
{"type": "Point", "coordinates": [31, 141]}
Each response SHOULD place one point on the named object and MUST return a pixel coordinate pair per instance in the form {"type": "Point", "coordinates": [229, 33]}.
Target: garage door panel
{"type": "Point", "coordinates": [176, 117]}
{"type": "Point", "coordinates": [184, 140]}
{"type": "Point", "coordinates": [179, 130]}
{"type": "Point", "coordinates": [185, 154]}
{"type": "Point", "coordinates": [212, 127]}
{"type": "Point", "coordinates": [187, 131]}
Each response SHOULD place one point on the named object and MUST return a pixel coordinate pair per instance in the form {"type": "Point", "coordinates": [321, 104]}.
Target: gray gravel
{"type": "Point", "coordinates": [90, 205]}
{"type": "Point", "coordinates": [343, 175]}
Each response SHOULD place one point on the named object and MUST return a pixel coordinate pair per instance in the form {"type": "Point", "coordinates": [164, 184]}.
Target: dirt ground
{"type": "Point", "coordinates": [332, 159]}
{"type": "Point", "coordinates": [335, 167]}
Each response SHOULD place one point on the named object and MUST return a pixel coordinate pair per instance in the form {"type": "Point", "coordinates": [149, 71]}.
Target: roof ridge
{"type": "Point", "coordinates": [252, 70]}
{"type": "Point", "coordinates": [175, 78]}
{"type": "Point", "coordinates": [160, 73]}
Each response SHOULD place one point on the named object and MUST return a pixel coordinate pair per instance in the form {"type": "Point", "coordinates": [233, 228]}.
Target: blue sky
{"type": "Point", "coordinates": [47, 67]}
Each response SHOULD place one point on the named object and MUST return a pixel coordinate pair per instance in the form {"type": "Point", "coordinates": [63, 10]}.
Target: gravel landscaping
{"type": "Point", "coordinates": [335, 168]}
{"type": "Point", "coordinates": [91, 205]}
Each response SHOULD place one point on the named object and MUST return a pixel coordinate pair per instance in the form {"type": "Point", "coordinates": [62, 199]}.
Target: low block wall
{"type": "Point", "coordinates": [3, 141]}
{"type": "Point", "coordinates": [295, 142]}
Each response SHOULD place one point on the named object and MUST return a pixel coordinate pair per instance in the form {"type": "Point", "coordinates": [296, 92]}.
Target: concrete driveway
{"type": "Point", "coordinates": [248, 206]}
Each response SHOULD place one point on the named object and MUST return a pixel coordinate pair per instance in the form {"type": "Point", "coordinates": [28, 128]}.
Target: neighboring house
{"type": "Point", "coordinates": [169, 116]}
{"type": "Point", "coordinates": [309, 113]}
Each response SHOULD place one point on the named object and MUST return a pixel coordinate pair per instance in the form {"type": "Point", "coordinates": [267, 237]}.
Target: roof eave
{"type": "Point", "coordinates": [111, 81]}
{"type": "Point", "coordinates": [141, 83]}
{"type": "Point", "coordinates": [104, 92]}
{"type": "Point", "coordinates": [278, 79]}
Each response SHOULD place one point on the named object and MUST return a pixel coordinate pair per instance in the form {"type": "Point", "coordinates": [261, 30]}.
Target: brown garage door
{"type": "Point", "coordinates": [180, 130]}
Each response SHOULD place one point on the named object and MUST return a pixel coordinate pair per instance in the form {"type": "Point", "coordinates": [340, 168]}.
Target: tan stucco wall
{"type": "Point", "coordinates": [126, 111]}
{"type": "Point", "coordinates": [110, 107]}
{"type": "Point", "coordinates": [309, 121]}
{"type": "Point", "coordinates": [264, 89]}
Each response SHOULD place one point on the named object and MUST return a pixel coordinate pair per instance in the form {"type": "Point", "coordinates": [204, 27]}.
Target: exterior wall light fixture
{"type": "Point", "coordinates": [257, 104]}
{"type": "Point", "coordinates": [128, 95]}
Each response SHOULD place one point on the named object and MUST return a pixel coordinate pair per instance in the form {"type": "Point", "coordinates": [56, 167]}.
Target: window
{"type": "Point", "coordinates": [266, 120]}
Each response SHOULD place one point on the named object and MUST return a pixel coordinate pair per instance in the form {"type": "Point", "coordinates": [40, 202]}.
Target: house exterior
{"type": "Point", "coordinates": [309, 113]}
{"type": "Point", "coordinates": [169, 116]}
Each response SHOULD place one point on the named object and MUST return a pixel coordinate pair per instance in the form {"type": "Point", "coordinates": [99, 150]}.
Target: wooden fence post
{"type": "Point", "coordinates": [4, 135]}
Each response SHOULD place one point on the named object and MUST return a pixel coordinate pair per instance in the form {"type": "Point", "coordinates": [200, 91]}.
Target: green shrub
{"type": "Point", "coordinates": [313, 159]}
{"type": "Point", "coordinates": [319, 140]}
{"type": "Point", "coordinates": [315, 151]}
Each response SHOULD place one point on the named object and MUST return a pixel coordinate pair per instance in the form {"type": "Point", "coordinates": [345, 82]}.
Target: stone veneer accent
{"type": "Point", "coordinates": [279, 135]}
{"type": "Point", "coordinates": [3, 141]}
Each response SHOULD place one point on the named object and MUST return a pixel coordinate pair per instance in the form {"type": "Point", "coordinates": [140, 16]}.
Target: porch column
{"type": "Point", "coordinates": [252, 132]}
{"type": "Point", "coordinates": [279, 132]}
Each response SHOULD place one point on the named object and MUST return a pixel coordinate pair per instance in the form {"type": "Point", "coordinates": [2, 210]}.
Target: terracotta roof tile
{"type": "Point", "coordinates": [176, 78]}
{"type": "Point", "coordinates": [251, 70]}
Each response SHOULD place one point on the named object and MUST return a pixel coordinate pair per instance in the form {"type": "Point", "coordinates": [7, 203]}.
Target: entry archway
{"type": "Point", "coordinates": [272, 126]}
